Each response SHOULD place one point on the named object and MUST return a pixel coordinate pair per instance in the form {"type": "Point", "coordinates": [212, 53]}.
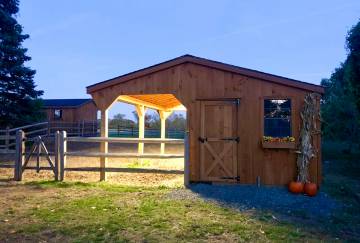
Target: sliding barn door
{"type": "Point", "coordinates": [218, 141]}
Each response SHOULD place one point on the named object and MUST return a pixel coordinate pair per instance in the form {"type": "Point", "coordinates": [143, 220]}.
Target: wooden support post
{"type": "Point", "coordinates": [7, 140]}
{"type": "Point", "coordinates": [140, 109]}
{"type": "Point", "coordinates": [104, 132]}
{"type": "Point", "coordinates": [20, 150]}
{"type": "Point", "coordinates": [38, 156]}
{"type": "Point", "coordinates": [186, 160]}
{"type": "Point", "coordinates": [62, 153]}
{"type": "Point", "coordinates": [163, 116]}
{"type": "Point", "coordinates": [57, 155]}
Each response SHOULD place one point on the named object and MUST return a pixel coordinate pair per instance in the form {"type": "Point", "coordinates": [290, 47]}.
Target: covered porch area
{"type": "Point", "coordinates": [164, 104]}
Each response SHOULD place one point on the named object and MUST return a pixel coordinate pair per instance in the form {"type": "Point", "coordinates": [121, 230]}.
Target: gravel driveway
{"type": "Point", "coordinates": [267, 198]}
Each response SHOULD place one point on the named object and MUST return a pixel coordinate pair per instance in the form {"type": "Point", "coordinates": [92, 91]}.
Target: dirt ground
{"type": "Point", "coordinates": [128, 178]}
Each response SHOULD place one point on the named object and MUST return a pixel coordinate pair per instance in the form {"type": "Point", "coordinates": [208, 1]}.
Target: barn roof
{"type": "Point", "coordinates": [66, 103]}
{"type": "Point", "coordinates": [211, 64]}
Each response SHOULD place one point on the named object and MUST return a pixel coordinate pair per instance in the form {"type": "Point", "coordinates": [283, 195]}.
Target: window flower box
{"type": "Point", "coordinates": [278, 143]}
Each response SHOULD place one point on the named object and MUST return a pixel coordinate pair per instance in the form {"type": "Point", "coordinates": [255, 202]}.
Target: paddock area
{"type": "Point", "coordinates": [134, 171]}
{"type": "Point", "coordinates": [40, 151]}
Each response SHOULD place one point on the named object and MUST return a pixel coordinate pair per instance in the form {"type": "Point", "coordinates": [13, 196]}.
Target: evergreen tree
{"type": "Point", "coordinates": [19, 102]}
{"type": "Point", "coordinates": [352, 68]}
{"type": "Point", "coordinates": [341, 102]}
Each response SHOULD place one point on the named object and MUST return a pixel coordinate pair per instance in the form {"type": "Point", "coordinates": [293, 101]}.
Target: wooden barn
{"type": "Point", "coordinates": [229, 111]}
{"type": "Point", "coordinates": [70, 110]}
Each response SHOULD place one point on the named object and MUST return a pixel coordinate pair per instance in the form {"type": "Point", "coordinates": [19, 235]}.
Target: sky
{"type": "Point", "coordinates": [74, 44]}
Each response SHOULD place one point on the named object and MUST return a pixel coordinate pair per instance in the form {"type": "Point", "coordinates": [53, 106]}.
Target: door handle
{"type": "Point", "coordinates": [237, 178]}
{"type": "Point", "coordinates": [202, 139]}
{"type": "Point", "coordinates": [237, 139]}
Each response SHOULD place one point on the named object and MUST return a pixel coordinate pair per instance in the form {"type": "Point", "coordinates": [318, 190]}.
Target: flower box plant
{"type": "Point", "coordinates": [278, 142]}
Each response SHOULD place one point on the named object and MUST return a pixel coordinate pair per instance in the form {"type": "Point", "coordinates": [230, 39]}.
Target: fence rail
{"type": "Point", "coordinates": [8, 136]}
{"type": "Point", "coordinates": [83, 128]}
{"type": "Point", "coordinates": [58, 165]}
{"type": "Point", "coordinates": [125, 155]}
{"type": "Point", "coordinates": [133, 131]}
{"type": "Point", "coordinates": [76, 129]}
{"type": "Point", "coordinates": [25, 127]}
{"type": "Point", "coordinates": [124, 140]}
{"type": "Point", "coordinates": [62, 153]}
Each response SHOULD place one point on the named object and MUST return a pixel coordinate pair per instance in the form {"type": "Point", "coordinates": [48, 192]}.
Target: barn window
{"type": "Point", "coordinates": [57, 114]}
{"type": "Point", "coordinates": [277, 117]}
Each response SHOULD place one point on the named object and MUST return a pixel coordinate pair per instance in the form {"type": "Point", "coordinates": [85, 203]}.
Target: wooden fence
{"type": "Point", "coordinates": [133, 131]}
{"type": "Point", "coordinates": [58, 165]}
{"type": "Point", "coordinates": [83, 128]}
{"type": "Point", "coordinates": [8, 136]}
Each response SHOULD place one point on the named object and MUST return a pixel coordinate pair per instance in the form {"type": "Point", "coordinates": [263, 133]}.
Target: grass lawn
{"type": "Point", "coordinates": [82, 212]}
{"type": "Point", "coordinates": [342, 181]}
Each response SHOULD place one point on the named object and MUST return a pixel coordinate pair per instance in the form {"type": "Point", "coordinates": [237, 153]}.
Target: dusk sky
{"type": "Point", "coordinates": [74, 44]}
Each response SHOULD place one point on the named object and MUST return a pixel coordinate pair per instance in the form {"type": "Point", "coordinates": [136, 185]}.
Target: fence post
{"type": "Point", "coordinates": [7, 140]}
{"type": "Point", "coordinates": [38, 157]}
{"type": "Point", "coordinates": [48, 129]}
{"type": "Point", "coordinates": [63, 149]}
{"type": "Point", "coordinates": [20, 150]}
{"type": "Point", "coordinates": [104, 132]}
{"type": "Point", "coordinates": [97, 131]}
{"type": "Point", "coordinates": [94, 128]}
{"type": "Point", "coordinates": [186, 160]}
{"type": "Point", "coordinates": [82, 129]}
{"type": "Point", "coordinates": [57, 155]}
{"type": "Point", "coordinates": [79, 129]}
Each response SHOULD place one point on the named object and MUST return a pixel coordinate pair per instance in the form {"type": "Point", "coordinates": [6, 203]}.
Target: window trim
{"type": "Point", "coordinates": [61, 114]}
{"type": "Point", "coordinates": [277, 97]}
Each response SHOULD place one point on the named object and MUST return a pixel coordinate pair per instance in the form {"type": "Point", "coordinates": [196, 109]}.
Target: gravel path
{"type": "Point", "coordinates": [274, 199]}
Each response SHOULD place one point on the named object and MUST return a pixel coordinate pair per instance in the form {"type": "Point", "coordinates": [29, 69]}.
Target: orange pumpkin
{"type": "Point", "coordinates": [310, 189]}
{"type": "Point", "coordinates": [296, 187]}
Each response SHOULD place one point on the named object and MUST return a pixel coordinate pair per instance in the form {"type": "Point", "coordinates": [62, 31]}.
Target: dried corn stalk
{"type": "Point", "coordinates": [309, 116]}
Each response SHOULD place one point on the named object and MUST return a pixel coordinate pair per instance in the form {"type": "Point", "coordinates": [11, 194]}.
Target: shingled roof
{"type": "Point", "coordinates": [67, 103]}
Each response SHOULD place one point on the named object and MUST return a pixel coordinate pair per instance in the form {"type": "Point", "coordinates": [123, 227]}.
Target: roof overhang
{"type": "Point", "coordinates": [161, 102]}
{"type": "Point", "coordinates": [207, 63]}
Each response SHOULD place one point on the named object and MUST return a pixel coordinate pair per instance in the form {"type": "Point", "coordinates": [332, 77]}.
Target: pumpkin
{"type": "Point", "coordinates": [310, 189]}
{"type": "Point", "coordinates": [296, 187]}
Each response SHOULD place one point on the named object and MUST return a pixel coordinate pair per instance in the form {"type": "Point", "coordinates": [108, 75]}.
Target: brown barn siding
{"type": "Point", "coordinates": [192, 82]}
{"type": "Point", "coordinates": [85, 112]}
